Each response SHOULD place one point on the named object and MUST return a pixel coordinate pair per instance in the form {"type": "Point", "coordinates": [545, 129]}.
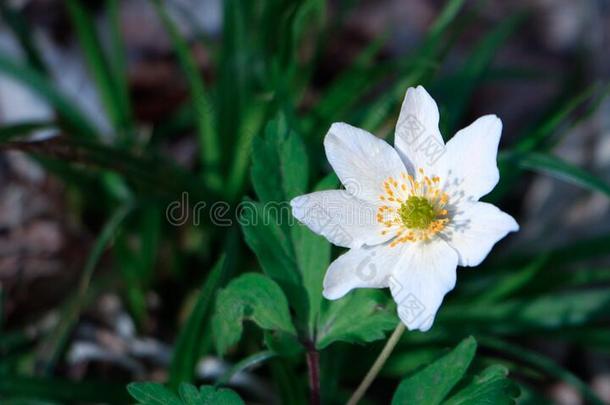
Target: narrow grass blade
{"type": "Point", "coordinates": [17, 23]}
{"type": "Point", "coordinates": [56, 340]}
{"type": "Point", "coordinates": [551, 123]}
{"type": "Point", "coordinates": [416, 67]}
{"type": "Point", "coordinates": [251, 126]}
{"type": "Point", "coordinates": [107, 85]}
{"type": "Point", "coordinates": [209, 142]}
{"type": "Point", "coordinates": [70, 115]}
{"type": "Point", "coordinates": [187, 350]}
{"type": "Point", "coordinates": [137, 261]}
{"type": "Point", "coordinates": [245, 364]}
{"type": "Point", "coordinates": [118, 63]}
{"type": "Point", "coordinates": [463, 83]}
{"type": "Point", "coordinates": [561, 170]}
{"type": "Point", "coordinates": [158, 176]}
{"type": "Point", "coordinates": [513, 281]}
{"type": "Point", "coordinates": [13, 132]}
{"type": "Point", "coordinates": [545, 134]}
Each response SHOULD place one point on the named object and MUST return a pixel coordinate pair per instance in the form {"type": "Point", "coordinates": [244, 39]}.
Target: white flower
{"type": "Point", "coordinates": [409, 214]}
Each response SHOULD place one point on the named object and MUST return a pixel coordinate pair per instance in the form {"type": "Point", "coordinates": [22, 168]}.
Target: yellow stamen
{"type": "Point", "coordinates": [414, 210]}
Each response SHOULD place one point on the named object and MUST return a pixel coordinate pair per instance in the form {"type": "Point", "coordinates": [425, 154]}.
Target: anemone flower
{"type": "Point", "coordinates": [409, 214]}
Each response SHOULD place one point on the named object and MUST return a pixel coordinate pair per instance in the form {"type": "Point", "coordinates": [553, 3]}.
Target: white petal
{"type": "Point", "coordinates": [361, 160]}
{"type": "Point", "coordinates": [468, 165]}
{"type": "Point", "coordinates": [341, 218]}
{"type": "Point", "coordinates": [425, 274]}
{"type": "Point", "coordinates": [418, 139]}
{"type": "Point", "coordinates": [365, 267]}
{"type": "Point", "coordinates": [475, 228]}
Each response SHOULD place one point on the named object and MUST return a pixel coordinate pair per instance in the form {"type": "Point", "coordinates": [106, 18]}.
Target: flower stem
{"type": "Point", "coordinates": [377, 365]}
{"type": "Point", "coordinates": [313, 366]}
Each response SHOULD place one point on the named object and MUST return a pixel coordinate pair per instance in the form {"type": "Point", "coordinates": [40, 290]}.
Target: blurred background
{"type": "Point", "coordinates": [105, 107]}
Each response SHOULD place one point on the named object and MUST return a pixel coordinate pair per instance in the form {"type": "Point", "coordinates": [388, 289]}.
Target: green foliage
{"type": "Point", "coordinates": [256, 113]}
{"type": "Point", "coordinates": [112, 96]}
{"type": "Point", "coordinates": [251, 297]}
{"type": "Point", "coordinates": [491, 386]}
{"type": "Point", "coordinates": [542, 312]}
{"type": "Point", "coordinates": [459, 88]}
{"type": "Point", "coordinates": [279, 164]}
{"type": "Point", "coordinates": [272, 246]}
{"type": "Point", "coordinates": [70, 115]}
{"type": "Point", "coordinates": [292, 255]}
{"type": "Point", "coordinates": [156, 394]}
{"type": "Point", "coordinates": [189, 340]}
{"type": "Point", "coordinates": [562, 170]}
{"type": "Point", "coordinates": [434, 384]}
{"type": "Point", "coordinates": [16, 131]}
{"type": "Point", "coordinates": [57, 339]}
{"type": "Point", "coordinates": [208, 137]}
{"type": "Point", "coordinates": [543, 363]}
{"type": "Point", "coordinates": [359, 317]}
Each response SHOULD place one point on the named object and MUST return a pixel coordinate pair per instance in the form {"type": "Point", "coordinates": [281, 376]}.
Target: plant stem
{"type": "Point", "coordinates": [313, 366]}
{"type": "Point", "coordinates": [377, 365]}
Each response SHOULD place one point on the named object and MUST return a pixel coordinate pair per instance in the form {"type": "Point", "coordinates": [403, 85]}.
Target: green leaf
{"type": "Point", "coordinates": [186, 351]}
{"type": "Point", "coordinates": [293, 256]}
{"type": "Point", "coordinates": [147, 393]}
{"type": "Point", "coordinates": [361, 316]}
{"type": "Point", "coordinates": [223, 396]}
{"type": "Point", "coordinates": [279, 164]}
{"type": "Point", "coordinates": [252, 297]}
{"type": "Point", "coordinates": [432, 384]}
{"type": "Point", "coordinates": [189, 394]}
{"type": "Point", "coordinates": [271, 243]}
{"type": "Point", "coordinates": [313, 258]}
{"type": "Point", "coordinates": [490, 387]}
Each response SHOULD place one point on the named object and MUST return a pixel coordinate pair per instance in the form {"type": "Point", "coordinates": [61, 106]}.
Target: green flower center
{"type": "Point", "coordinates": [417, 212]}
